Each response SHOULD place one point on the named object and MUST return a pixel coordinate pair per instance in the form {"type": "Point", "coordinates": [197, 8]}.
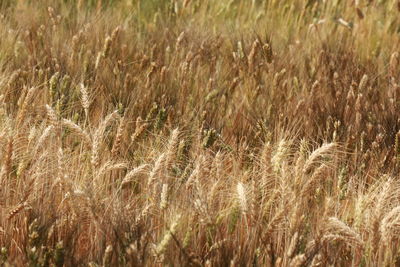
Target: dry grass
{"type": "Point", "coordinates": [199, 133]}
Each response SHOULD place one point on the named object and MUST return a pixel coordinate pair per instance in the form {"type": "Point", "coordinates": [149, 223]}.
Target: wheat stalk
{"type": "Point", "coordinates": [130, 176]}
{"type": "Point", "coordinates": [163, 245]}
{"type": "Point", "coordinates": [326, 150]}
{"type": "Point", "coordinates": [158, 165]}
{"type": "Point", "coordinates": [97, 138]}
{"type": "Point", "coordinates": [241, 193]}
{"type": "Point", "coordinates": [390, 225]}
{"type": "Point", "coordinates": [73, 127]}
{"type": "Point", "coordinates": [118, 138]}
{"type": "Point", "coordinates": [171, 148]}
{"type": "Point", "coordinates": [164, 197]}
{"type": "Point", "coordinates": [85, 99]}
{"type": "Point", "coordinates": [336, 227]}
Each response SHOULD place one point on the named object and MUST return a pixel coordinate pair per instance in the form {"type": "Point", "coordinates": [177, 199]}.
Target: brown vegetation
{"type": "Point", "coordinates": [194, 133]}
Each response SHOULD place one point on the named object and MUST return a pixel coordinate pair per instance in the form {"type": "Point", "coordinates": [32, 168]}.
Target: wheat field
{"type": "Point", "coordinates": [199, 133]}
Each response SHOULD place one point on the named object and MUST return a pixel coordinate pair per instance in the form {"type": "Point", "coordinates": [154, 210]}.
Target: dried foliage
{"type": "Point", "coordinates": [199, 133]}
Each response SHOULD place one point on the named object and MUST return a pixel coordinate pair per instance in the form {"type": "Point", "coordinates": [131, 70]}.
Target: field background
{"type": "Point", "coordinates": [199, 133]}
